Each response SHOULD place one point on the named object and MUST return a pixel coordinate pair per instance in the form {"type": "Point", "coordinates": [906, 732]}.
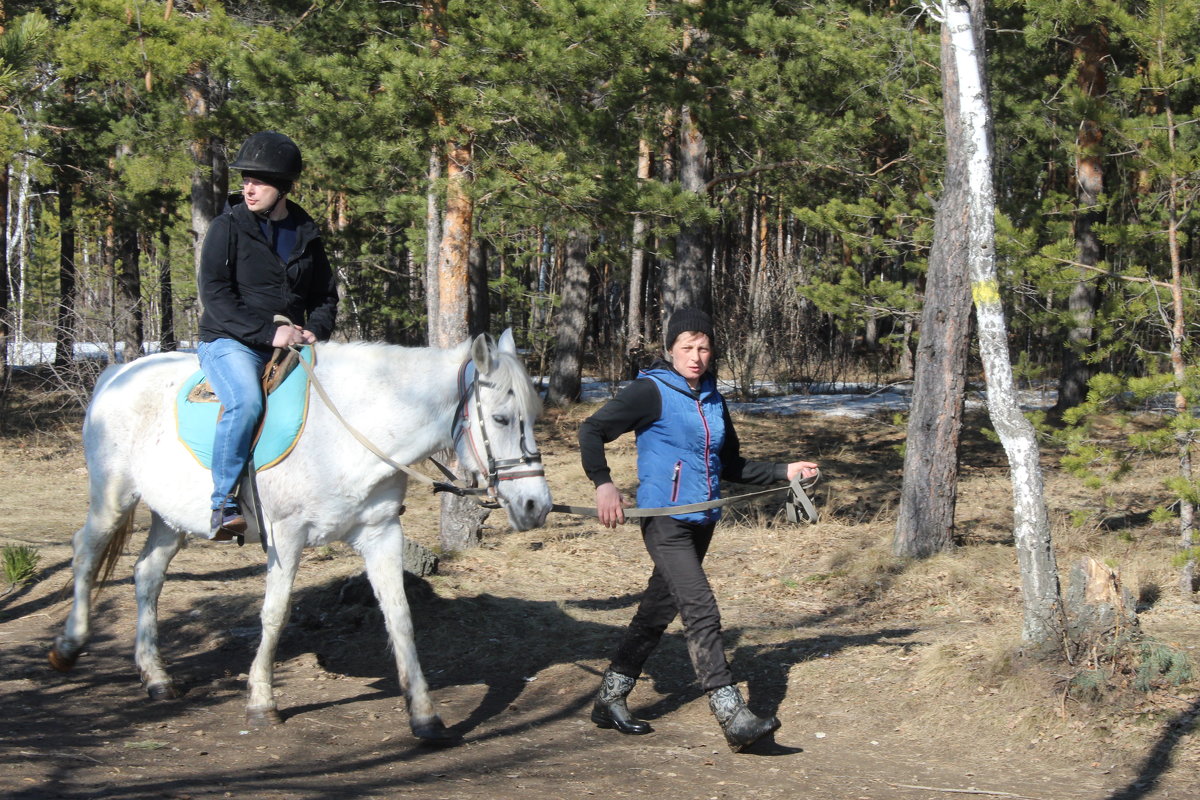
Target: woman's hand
{"type": "Point", "coordinates": [289, 335]}
{"type": "Point", "coordinates": [610, 507]}
{"type": "Point", "coordinates": [805, 469]}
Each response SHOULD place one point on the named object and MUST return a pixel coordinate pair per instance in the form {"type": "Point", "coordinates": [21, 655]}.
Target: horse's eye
{"type": "Point", "coordinates": [500, 419]}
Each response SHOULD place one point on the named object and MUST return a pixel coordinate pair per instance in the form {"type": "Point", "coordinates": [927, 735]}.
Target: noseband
{"type": "Point", "coordinates": [526, 465]}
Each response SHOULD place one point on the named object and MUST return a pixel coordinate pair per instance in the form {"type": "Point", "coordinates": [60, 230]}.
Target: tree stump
{"type": "Point", "coordinates": [1100, 610]}
{"type": "Point", "coordinates": [419, 562]}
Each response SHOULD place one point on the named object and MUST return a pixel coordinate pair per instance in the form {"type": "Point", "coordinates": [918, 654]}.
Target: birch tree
{"type": "Point", "coordinates": [1043, 621]}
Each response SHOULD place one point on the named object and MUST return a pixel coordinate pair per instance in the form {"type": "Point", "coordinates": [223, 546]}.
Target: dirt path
{"type": "Point", "coordinates": [885, 692]}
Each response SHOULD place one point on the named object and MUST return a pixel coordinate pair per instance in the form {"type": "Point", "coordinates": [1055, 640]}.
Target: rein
{"type": "Point", "coordinates": [798, 507]}
{"type": "Point", "coordinates": [451, 484]}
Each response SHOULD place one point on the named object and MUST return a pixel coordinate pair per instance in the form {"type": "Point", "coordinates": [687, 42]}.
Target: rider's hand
{"type": "Point", "coordinates": [609, 505]}
{"type": "Point", "coordinates": [288, 335]}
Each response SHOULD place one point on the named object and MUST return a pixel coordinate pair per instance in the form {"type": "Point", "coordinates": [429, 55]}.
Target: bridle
{"type": "Point", "coordinates": [526, 465]}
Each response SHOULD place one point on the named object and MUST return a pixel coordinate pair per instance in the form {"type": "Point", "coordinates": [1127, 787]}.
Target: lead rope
{"type": "Point", "coordinates": [799, 507]}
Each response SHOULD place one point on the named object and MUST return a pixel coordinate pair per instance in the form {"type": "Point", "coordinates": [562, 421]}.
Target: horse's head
{"type": "Point", "coordinates": [494, 432]}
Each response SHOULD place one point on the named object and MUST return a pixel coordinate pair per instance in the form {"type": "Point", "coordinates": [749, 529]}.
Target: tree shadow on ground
{"type": "Point", "coordinates": [1158, 760]}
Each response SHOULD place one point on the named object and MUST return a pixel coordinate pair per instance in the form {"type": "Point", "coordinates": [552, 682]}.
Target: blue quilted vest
{"type": "Point", "coordinates": [678, 455]}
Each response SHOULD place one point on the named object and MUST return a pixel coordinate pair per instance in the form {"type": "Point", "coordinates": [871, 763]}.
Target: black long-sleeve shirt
{"type": "Point", "coordinates": [638, 405]}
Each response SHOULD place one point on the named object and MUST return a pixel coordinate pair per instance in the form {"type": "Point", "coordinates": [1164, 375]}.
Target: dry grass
{"type": "Point", "coordinates": [776, 582]}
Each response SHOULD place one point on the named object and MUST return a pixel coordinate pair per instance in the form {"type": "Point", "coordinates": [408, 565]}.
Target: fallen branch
{"type": "Point", "coordinates": [963, 791]}
{"type": "Point", "coordinates": [78, 756]}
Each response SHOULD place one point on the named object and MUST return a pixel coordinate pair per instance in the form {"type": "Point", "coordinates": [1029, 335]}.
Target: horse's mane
{"type": "Point", "coordinates": [509, 375]}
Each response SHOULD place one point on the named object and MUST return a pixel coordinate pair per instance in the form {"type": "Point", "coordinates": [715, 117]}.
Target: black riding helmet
{"type": "Point", "coordinates": [269, 155]}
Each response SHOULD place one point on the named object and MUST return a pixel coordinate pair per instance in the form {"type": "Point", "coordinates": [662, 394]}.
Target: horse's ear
{"type": "Point", "coordinates": [507, 343]}
{"type": "Point", "coordinates": [483, 353]}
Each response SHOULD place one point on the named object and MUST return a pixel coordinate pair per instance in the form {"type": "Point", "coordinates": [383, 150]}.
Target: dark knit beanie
{"type": "Point", "coordinates": [690, 320]}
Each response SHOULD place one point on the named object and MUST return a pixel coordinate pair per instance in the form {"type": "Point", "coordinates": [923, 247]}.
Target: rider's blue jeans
{"type": "Point", "coordinates": [235, 373]}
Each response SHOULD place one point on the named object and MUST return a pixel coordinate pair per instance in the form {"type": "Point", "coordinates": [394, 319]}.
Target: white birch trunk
{"type": "Point", "coordinates": [1042, 599]}
{"type": "Point", "coordinates": [17, 251]}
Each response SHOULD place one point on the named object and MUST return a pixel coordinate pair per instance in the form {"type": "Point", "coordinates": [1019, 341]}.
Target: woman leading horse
{"type": "Point", "coordinates": [686, 444]}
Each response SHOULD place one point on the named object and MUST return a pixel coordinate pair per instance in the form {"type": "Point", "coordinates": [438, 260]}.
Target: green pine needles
{"type": "Point", "coordinates": [20, 563]}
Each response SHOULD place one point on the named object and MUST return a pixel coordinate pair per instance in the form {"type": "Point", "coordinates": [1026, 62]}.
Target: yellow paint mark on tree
{"type": "Point", "coordinates": [985, 292]}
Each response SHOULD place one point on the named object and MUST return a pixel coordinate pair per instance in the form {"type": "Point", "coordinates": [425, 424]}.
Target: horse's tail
{"type": "Point", "coordinates": [108, 559]}
{"type": "Point", "coordinates": [114, 548]}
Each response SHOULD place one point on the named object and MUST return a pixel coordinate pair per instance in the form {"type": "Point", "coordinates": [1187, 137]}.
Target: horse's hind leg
{"type": "Point", "coordinates": [149, 573]}
{"type": "Point", "coordinates": [382, 550]}
{"type": "Point", "coordinates": [96, 545]}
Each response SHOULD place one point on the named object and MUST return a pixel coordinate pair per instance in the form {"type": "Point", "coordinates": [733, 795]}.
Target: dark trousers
{"type": "Point", "coordinates": [678, 585]}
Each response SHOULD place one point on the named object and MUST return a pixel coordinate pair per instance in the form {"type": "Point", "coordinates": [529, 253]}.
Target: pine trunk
{"type": "Point", "coordinates": [477, 268]}
{"type": "Point", "coordinates": [68, 275]}
{"type": "Point", "coordinates": [433, 243]}
{"type": "Point", "coordinates": [929, 492]}
{"type": "Point", "coordinates": [685, 284]}
{"type": "Point", "coordinates": [167, 339]}
{"type": "Point", "coordinates": [1090, 55]}
{"type": "Point", "coordinates": [454, 306]}
{"type": "Point", "coordinates": [635, 344]}
{"type": "Point", "coordinates": [461, 521]}
{"type": "Point", "coordinates": [565, 371]}
{"type": "Point", "coordinates": [129, 315]}
{"type": "Point", "coordinates": [210, 172]}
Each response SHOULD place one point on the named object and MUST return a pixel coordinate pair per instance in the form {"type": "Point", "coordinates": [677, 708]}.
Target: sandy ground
{"type": "Point", "coordinates": [892, 680]}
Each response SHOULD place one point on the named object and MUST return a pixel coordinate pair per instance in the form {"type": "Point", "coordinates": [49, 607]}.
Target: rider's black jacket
{"type": "Point", "coordinates": [244, 284]}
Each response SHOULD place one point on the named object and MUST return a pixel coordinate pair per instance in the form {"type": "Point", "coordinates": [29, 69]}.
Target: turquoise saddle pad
{"type": "Point", "coordinates": [287, 408]}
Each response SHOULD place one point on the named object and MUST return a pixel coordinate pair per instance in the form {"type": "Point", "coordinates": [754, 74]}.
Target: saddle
{"type": "Point", "coordinates": [282, 362]}
{"type": "Point", "coordinates": [197, 410]}
{"type": "Point", "coordinates": [286, 389]}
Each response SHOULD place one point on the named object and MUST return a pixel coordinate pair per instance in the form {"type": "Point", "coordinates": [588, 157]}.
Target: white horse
{"type": "Point", "coordinates": [409, 403]}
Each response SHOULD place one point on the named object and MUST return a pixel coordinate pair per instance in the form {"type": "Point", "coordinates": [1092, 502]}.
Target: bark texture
{"type": "Point", "coordinates": [929, 493]}
{"type": "Point", "coordinates": [565, 371]}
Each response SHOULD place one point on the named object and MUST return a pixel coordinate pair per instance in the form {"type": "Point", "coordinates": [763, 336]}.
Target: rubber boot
{"type": "Point", "coordinates": [741, 727]}
{"type": "Point", "coordinates": [610, 710]}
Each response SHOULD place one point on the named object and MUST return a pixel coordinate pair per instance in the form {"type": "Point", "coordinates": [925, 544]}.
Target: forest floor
{"type": "Point", "coordinates": [896, 680]}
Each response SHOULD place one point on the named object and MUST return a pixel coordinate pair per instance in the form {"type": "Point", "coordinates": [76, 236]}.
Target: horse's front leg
{"type": "Point", "coordinates": [283, 558]}
{"type": "Point", "coordinates": [382, 549]}
{"type": "Point", "coordinates": [149, 573]}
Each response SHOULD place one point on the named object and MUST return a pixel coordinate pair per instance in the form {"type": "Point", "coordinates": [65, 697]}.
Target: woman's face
{"type": "Point", "coordinates": [260, 197]}
{"type": "Point", "coordinates": [691, 355]}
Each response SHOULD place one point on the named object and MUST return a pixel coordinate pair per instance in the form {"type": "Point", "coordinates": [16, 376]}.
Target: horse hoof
{"type": "Point", "coordinates": [263, 717]}
{"type": "Point", "coordinates": [60, 662]}
{"type": "Point", "coordinates": [163, 691]}
{"type": "Point", "coordinates": [434, 732]}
